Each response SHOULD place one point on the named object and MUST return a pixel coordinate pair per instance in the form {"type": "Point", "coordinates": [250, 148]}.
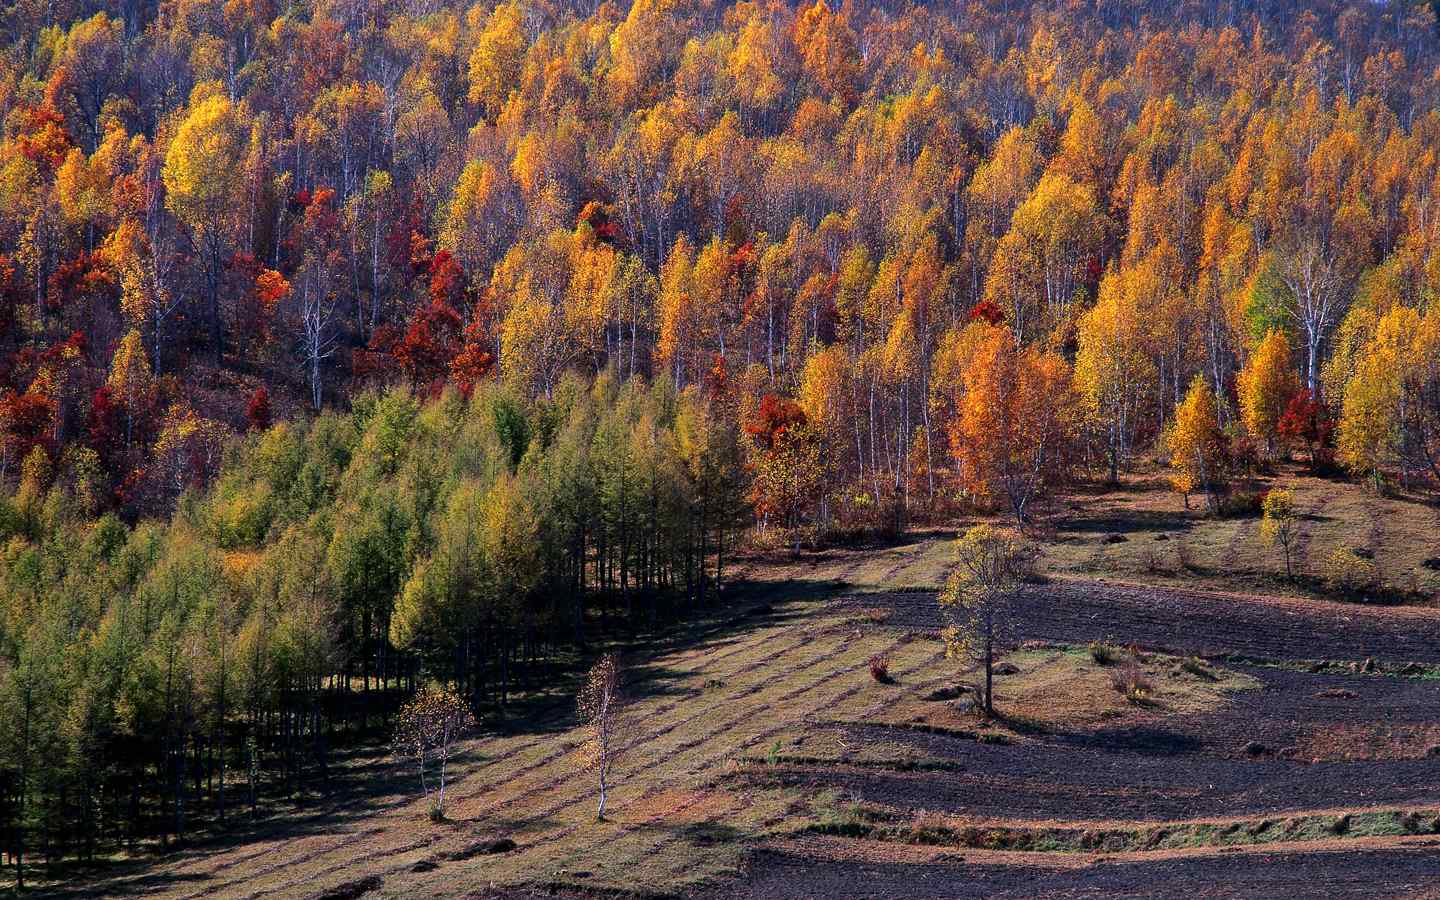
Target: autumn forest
{"type": "Point", "coordinates": [347, 347]}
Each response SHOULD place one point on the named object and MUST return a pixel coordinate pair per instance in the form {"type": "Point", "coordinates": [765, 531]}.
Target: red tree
{"type": "Point", "coordinates": [257, 410]}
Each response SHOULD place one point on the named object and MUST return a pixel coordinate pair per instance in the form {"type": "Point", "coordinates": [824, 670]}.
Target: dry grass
{"type": "Point", "coordinates": [1143, 533]}
{"type": "Point", "coordinates": [1368, 742]}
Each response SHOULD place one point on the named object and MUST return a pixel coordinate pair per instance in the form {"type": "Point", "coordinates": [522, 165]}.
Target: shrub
{"type": "Point", "coordinates": [1104, 654]}
{"type": "Point", "coordinates": [1347, 572]}
{"type": "Point", "coordinates": [1196, 666]}
{"type": "Point", "coordinates": [1241, 505]}
{"type": "Point", "coordinates": [880, 667]}
{"type": "Point", "coordinates": [1134, 684]}
{"type": "Point", "coordinates": [772, 756]}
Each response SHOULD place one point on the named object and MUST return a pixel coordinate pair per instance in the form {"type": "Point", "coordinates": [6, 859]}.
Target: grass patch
{"type": "Point", "coordinates": [1367, 667]}
{"type": "Point", "coordinates": [935, 830]}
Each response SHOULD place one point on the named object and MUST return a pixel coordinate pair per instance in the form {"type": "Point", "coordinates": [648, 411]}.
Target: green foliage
{"type": "Point", "coordinates": [1267, 304]}
{"type": "Point", "coordinates": [458, 539]}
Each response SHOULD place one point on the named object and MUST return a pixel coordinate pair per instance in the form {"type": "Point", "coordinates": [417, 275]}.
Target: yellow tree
{"type": "Point", "coordinates": [1014, 418]}
{"type": "Point", "coordinates": [991, 565]}
{"type": "Point", "coordinates": [481, 211]}
{"type": "Point", "coordinates": [499, 54]}
{"type": "Point", "coordinates": [1387, 414]}
{"type": "Point", "coordinates": [203, 182]}
{"type": "Point", "coordinates": [1113, 369]}
{"type": "Point", "coordinates": [1197, 445]}
{"type": "Point", "coordinates": [1040, 262]}
{"type": "Point", "coordinates": [130, 378]}
{"type": "Point", "coordinates": [1266, 385]}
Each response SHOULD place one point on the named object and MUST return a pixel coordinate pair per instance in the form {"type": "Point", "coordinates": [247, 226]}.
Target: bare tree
{"type": "Point", "coordinates": [601, 703]}
{"type": "Point", "coordinates": [991, 564]}
{"type": "Point", "coordinates": [428, 727]}
{"type": "Point", "coordinates": [318, 335]}
{"type": "Point", "coordinates": [1318, 282]}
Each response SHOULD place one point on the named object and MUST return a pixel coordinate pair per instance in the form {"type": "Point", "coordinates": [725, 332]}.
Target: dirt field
{"type": "Point", "coordinates": [1289, 749]}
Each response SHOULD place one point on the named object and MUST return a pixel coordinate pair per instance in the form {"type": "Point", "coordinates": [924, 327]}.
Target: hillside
{"type": "Point", "coordinates": [763, 750]}
{"type": "Point", "coordinates": [380, 379]}
{"type": "Point", "coordinates": [764, 759]}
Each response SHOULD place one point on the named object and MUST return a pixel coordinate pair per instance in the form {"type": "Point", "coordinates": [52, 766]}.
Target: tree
{"type": "Point", "coordinates": [601, 707]}
{"type": "Point", "coordinates": [990, 566]}
{"type": "Point", "coordinates": [130, 380]}
{"type": "Point", "coordinates": [1113, 369]}
{"type": "Point", "coordinates": [789, 463]}
{"type": "Point", "coordinates": [428, 726]}
{"type": "Point", "coordinates": [499, 54]}
{"type": "Point", "coordinates": [203, 177]}
{"type": "Point", "coordinates": [1198, 456]}
{"type": "Point", "coordinates": [1280, 525]}
{"type": "Point", "coordinates": [1266, 386]}
{"type": "Point", "coordinates": [91, 65]}
{"type": "Point", "coordinates": [257, 410]}
{"type": "Point", "coordinates": [1307, 421]}
{"type": "Point", "coordinates": [1013, 423]}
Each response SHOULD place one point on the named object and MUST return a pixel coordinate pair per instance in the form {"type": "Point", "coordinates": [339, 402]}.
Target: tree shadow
{"type": "Point", "coordinates": [367, 777]}
{"type": "Point", "coordinates": [1128, 522]}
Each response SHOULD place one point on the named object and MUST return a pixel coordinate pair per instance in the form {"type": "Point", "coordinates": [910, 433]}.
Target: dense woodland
{"type": "Point", "coordinates": [348, 345]}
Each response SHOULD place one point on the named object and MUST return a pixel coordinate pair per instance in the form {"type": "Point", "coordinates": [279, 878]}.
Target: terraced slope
{"type": "Point", "coordinates": [764, 760]}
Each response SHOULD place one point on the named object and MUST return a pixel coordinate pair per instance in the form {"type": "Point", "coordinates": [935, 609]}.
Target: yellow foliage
{"type": "Point", "coordinates": [1197, 449]}
{"type": "Point", "coordinates": [202, 172]}
{"type": "Point", "coordinates": [1265, 386]}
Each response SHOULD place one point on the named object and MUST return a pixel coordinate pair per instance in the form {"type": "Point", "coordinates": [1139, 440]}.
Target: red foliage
{"type": "Point", "coordinates": [473, 363]}
{"type": "Point", "coordinates": [599, 217]}
{"type": "Point", "coordinates": [257, 410]}
{"type": "Point", "coordinates": [447, 280]}
{"type": "Point", "coordinates": [107, 434]}
{"type": "Point", "coordinates": [377, 360]}
{"type": "Point", "coordinates": [987, 311]}
{"type": "Point", "coordinates": [421, 254]}
{"type": "Point", "coordinates": [431, 341]}
{"type": "Point", "coordinates": [772, 418]}
{"type": "Point", "coordinates": [717, 380]}
{"type": "Point", "coordinates": [43, 138]}
{"type": "Point", "coordinates": [84, 277]}
{"type": "Point", "coordinates": [56, 353]}
{"type": "Point", "coordinates": [1307, 420]}
{"type": "Point", "coordinates": [27, 422]}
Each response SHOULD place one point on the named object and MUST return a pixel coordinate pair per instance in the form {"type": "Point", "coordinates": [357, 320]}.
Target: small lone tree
{"type": "Point", "coordinates": [1280, 525]}
{"type": "Point", "coordinates": [991, 564]}
{"type": "Point", "coordinates": [1197, 445]}
{"type": "Point", "coordinates": [600, 704]}
{"type": "Point", "coordinates": [428, 727]}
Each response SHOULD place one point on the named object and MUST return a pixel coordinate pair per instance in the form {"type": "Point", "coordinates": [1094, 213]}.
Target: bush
{"type": "Point", "coordinates": [1196, 666]}
{"type": "Point", "coordinates": [1134, 684]}
{"type": "Point", "coordinates": [1347, 572]}
{"type": "Point", "coordinates": [880, 667]}
{"type": "Point", "coordinates": [1241, 505]}
{"type": "Point", "coordinates": [1104, 654]}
